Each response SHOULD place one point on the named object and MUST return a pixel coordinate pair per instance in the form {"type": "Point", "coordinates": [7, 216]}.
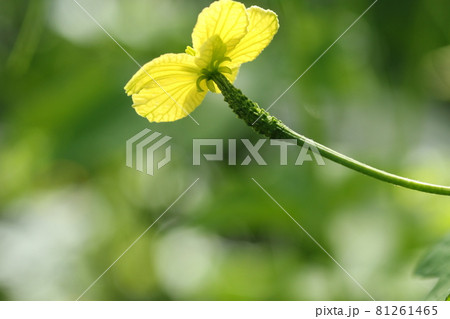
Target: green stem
{"type": "Point", "coordinates": [262, 122]}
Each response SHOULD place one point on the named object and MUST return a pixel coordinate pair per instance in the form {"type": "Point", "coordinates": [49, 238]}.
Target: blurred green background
{"type": "Point", "coordinates": [69, 206]}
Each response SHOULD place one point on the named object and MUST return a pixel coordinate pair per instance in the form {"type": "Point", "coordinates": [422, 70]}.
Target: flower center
{"type": "Point", "coordinates": [210, 59]}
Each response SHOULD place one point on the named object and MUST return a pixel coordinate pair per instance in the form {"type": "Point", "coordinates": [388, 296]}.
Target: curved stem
{"type": "Point", "coordinates": [262, 122]}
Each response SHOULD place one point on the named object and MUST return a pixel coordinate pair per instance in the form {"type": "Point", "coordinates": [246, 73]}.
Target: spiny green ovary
{"type": "Point", "coordinates": [249, 111]}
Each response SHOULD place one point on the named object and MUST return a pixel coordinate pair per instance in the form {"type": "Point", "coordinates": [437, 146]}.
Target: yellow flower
{"type": "Point", "coordinates": [226, 35]}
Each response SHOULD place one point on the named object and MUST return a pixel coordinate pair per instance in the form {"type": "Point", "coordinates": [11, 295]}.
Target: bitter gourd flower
{"type": "Point", "coordinates": [226, 35]}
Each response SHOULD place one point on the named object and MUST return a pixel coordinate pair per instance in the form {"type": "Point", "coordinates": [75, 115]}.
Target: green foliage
{"type": "Point", "coordinates": [435, 264]}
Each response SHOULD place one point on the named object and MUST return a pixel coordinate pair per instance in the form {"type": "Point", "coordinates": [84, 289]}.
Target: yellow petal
{"type": "Point", "coordinates": [165, 89]}
{"type": "Point", "coordinates": [225, 18]}
{"type": "Point", "coordinates": [231, 76]}
{"type": "Point", "coordinates": [262, 27]}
